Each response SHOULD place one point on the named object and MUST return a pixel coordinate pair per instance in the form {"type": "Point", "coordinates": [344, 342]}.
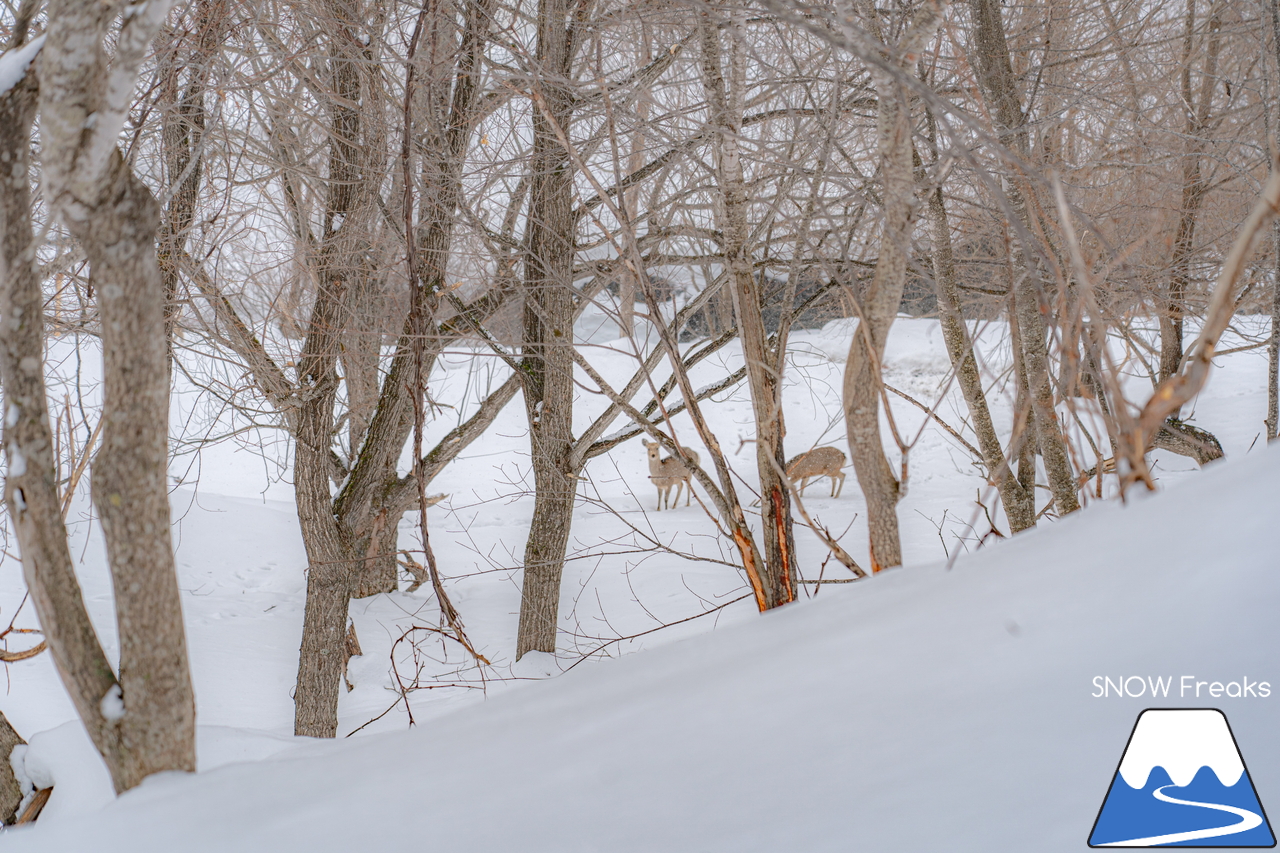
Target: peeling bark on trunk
{"type": "Point", "coordinates": [764, 368]}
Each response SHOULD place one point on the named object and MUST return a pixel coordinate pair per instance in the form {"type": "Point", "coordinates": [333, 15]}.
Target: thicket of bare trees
{"type": "Point", "coordinates": [323, 196]}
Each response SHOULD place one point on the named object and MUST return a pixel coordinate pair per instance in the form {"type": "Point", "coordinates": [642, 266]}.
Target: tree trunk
{"type": "Point", "coordinates": [995, 77]}
{"type": "Point", "coordinates": [332, 556]}
{"type": "Point", "coordinates": [862, 376]}
{"type": "Point", "coordinates": [10, 789]}
{"type": "Point", "coordinates": [1194, 188]}
{"type": "Point", "coordinates": [1019, 505]}
{"type": "Point", "coordinates": [1023, 440]}
{"type": "Point", "coordinates": [547, 361]}
{"type": "Point", "coordinates": [115, 219]}
{"type": "Point", "coordinates": [31, 490]}
{"type": "Point", "coordinates": [764, 372]}
{"type": "Point", "coordinates": [182, 136]}
{"type": "Point", "coordinates": [1273, 349]}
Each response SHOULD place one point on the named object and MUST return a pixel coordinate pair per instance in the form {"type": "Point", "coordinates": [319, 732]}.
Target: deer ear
{"type": "Point", "coordinates": [645, 442]}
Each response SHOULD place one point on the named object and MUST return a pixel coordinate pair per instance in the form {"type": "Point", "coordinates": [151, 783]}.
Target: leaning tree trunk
{"type": "Point", "coordinates": [547, 362]}
{"type": "Point", "coordinates": [31, 490]}
{"type": "Point", "coordinates": [115, 219]}
{"type": "Point", "coordinates": [996, 79]}
{"type": "Point", "coordinates": [777, 575]}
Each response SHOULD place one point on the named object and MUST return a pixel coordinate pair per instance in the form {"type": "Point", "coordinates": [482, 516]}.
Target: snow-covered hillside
{"type": "Point", "coordinates": [924, 709]}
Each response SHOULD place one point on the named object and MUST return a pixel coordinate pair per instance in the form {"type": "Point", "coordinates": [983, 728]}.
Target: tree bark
{"type": "Point", "coordinates": [333, 558]}
{"type": "Point", "coordinates": [31, 490]}
{"type": "Point", "coordinates": [10, 789]}
{"type": "Point", "coordinates": [182, 137]}
{"type": "Point", "coordinates": [115, 219]}
{"type": "Point", "coordinates": [1273, 348]}
{"type": "Point", "coordinates": [547, 362]}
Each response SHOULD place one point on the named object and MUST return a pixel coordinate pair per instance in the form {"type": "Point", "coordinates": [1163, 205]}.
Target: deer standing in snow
{"type": "Point", "coordinates": [669, 472]}
{"type": "Point", "coordinates": [819, 462]}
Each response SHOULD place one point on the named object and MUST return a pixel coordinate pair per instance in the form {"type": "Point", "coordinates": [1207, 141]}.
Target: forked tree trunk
{"type": "Point", "coordinates": [862, 377]}
{"type": "Point", "coordinates": [996, 79]}
{"type": "Point", "coordinates": [547, 361]}
{"type": "Point", "coordinates": [1019, 506]}
{"type": "Point", "coordinates": [332, 556]}
{"type": "Point", "coordinates": [115, 219]}
{"type": "Point", "coordinates": [31, 490]}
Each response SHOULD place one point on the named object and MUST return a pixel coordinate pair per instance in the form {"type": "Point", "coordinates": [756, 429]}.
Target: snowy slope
{"type": "Point", "coordinates": [923, 710]}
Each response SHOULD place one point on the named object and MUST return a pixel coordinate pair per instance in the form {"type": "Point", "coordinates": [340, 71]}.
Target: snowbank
{"type": "Point", "coordinates": [923, 710]}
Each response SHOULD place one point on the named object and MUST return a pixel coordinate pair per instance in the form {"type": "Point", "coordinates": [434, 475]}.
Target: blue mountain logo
{"type": "Point", "coordinates": [1182, 783]}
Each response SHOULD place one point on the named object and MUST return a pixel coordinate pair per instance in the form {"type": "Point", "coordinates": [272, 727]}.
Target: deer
{"type": "Point", "coordinates": [819, 462]}
{"type": "Point", "coordinates": [669, 472]}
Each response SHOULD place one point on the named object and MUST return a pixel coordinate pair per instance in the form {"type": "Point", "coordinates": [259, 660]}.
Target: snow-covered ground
{"type": "Point", "coordinates": [926, 708]}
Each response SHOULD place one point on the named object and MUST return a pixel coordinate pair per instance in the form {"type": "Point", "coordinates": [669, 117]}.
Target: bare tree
{"type": "Point", "coordinates": [144, 721]}
{"type": "Point", "coordinates": [547, 362]}
{"type": "Point", "coordinates": [765, 363]}
{"type": "Point", "coordinates": [903, 37]}
{"type": "Point", "coordinates": [999, 88]}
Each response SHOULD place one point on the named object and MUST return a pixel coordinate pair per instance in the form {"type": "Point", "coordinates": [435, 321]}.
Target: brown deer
{"type": "Point", "coordinates": [669, 472]}
{"type": "Point", "coordinates": [819, 462]}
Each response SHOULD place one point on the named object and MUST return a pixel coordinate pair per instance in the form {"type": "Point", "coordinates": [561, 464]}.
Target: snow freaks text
{"type": "Point", "coordinates": [1179, 687]}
